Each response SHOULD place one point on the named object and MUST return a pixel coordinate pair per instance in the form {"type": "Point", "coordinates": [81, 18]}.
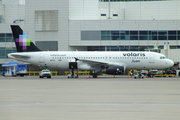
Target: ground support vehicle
{"type": "Point", "coordinates": [13, 69]}
{"type": "Point", "coordinates": [138, 75]}
{"type": "Point", "coordinates": [74, 75]}
{"type": "Point", "coordinates": [45, 73]}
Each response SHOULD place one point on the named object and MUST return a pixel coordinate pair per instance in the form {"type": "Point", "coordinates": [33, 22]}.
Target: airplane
{"type": "Point", "coordinates": [108, 62]}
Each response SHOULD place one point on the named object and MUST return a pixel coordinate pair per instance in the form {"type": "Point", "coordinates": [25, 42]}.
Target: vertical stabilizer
{"type": "Point", "coordinates": [22, 41]}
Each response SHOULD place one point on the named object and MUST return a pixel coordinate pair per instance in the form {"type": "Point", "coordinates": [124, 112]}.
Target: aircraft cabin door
{"type": "Point", "coordinates": [151, 57]}
{"type": "Point", "coordinates": [41, 59]}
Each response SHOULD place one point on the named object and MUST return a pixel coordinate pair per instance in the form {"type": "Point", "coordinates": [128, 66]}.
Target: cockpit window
{"type": "Point", "coordinates": [162, 57]}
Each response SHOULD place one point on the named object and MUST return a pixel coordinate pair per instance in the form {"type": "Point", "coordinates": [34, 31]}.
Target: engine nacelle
{"type": "Point", "coordinates": [115, 70]}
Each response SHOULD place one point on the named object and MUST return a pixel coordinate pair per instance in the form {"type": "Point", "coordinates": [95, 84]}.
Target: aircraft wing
{"type": "Point", "coordinates": [101, 64]}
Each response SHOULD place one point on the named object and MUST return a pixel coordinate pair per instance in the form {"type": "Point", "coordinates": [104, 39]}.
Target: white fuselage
{"type": "Point", "coordinates": [61, 59]}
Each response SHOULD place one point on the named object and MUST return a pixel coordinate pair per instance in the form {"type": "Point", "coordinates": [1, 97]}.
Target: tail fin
{"type": "Point", "coordinates": [22, 41]}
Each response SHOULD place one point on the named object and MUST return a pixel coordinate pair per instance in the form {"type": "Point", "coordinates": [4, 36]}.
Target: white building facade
{"type": "Point", "coordinates": [11, 12]}
{"type": "Point", "coordinates": [100, 25]}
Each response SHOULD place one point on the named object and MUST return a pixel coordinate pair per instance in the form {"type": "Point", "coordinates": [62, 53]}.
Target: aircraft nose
{"type": "Point", "coordinates": [171, 63]}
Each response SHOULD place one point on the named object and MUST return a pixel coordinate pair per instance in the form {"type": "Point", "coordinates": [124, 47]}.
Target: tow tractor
{"type": "Point", "coordinates": [71, 75]}
{"type": "Point", "coordinates": [138, 75]}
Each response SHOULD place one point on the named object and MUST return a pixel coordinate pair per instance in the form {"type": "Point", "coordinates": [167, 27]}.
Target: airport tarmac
{"type": "Point", "coordinates": [104, 98]}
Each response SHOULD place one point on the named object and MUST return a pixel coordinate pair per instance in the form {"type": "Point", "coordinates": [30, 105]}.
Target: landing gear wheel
{"type": "Point", "coordinates": [94, 75]}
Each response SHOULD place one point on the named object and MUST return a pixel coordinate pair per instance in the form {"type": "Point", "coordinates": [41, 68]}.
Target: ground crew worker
{"type": "Point", "coordinates": [40, 69]}
{"type": "Point", "coordinates": [131, 72]}
{"type": "Point", "coordinates": [148, 73]}
{"type": "Point", "coordinates": [72, 70]}
{"type": "Point", "coordinates": [77, 74]}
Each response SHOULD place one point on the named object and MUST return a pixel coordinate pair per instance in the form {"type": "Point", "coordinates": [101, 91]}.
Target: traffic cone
{"type": "Point", "coordinates": [128, 77]}
{"type": "Point", "coordinates": [114, 76]}
{"type": "Point", "coordinates": [87, 78]}
{"type": "Point", "coordinates": [6, 76]}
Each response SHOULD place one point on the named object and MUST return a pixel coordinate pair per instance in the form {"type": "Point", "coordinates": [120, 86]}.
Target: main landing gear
{"type": "Point", "coordinates": [94, 75]}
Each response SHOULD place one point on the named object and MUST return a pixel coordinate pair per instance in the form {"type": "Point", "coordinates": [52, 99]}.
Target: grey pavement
{"type": "Point", "coordinates": [104, 98]}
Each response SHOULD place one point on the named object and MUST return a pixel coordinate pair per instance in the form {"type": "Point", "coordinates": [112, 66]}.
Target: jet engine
{"type": "Point", "coordinates": [114, 70]}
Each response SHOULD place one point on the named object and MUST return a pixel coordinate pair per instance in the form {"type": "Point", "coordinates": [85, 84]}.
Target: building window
{"type": "Point", "coordinates": [105, 35]}
{"type": "Point", "coordinates": [162, 35]}
{"type": "Point", "coordinates": [130, 35]}
{"type": "Point", "coordinates": [115, 35]}
{"type": "Point", "coordinates": [4, 51]}
{"type": "Point", "coordinates": [6, 37]}
{"type": "Point", "coordinates": [115, 15]}
{"type": "Point", "coordinates": [103, 14]}
{"type": "Point", "coordinates": [96, 48]}
{"type": "Point", "coordinates": [128, 0]}
{"type": "Point", "coordinates": [133, 37]}
{"type": "Point", "coordinates": [133, 48]}
{"type": "Point", "coordinates": [172, 35]}
{"type": "Point", "coordinates": [143, 35]}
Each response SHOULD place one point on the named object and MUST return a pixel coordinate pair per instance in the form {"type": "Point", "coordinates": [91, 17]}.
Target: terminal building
{"type": "Point", "coordinates": [93, 25]}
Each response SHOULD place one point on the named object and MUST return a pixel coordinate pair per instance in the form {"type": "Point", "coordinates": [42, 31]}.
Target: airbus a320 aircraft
{"type": "Point", "coordinates": [113, 63]}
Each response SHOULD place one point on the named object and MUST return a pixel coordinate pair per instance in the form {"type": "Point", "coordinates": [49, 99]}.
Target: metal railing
{"type": "Point", "coordinates": [80, 72]}
{"type": "Point", "coordinates": [37, 72]}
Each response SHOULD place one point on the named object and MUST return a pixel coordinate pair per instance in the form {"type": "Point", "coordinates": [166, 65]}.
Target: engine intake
{"type": "Point", "coordinates": [115, 70]}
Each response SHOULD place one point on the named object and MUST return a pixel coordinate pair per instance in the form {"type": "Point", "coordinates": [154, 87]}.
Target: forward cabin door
{"type": "Point", "coordinates": [151, 57]}
{"type": "Point", "coordinates": [42, 57]}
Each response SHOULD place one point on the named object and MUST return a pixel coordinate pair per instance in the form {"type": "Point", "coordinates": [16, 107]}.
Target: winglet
{"type": "Point", "coordinates": [22, 41]}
